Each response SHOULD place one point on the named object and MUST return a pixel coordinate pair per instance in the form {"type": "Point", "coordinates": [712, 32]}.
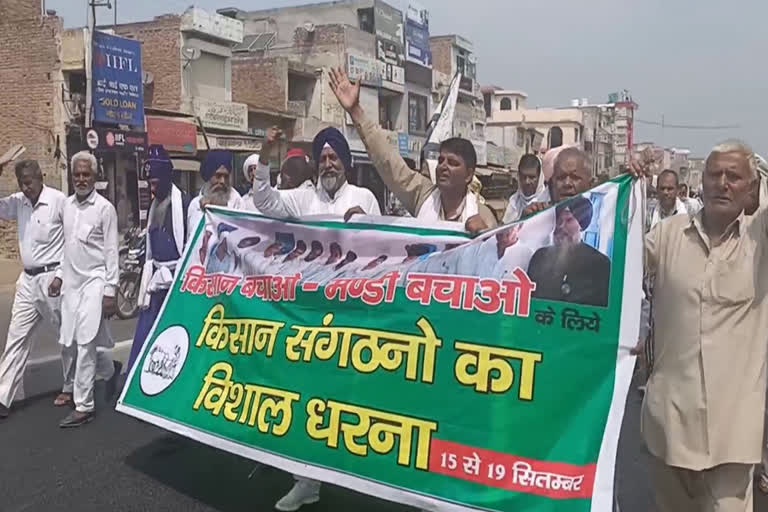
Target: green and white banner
{"type": "Point", "coordinates": [413, 364]}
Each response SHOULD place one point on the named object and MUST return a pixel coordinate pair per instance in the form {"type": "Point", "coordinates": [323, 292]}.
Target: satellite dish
{"type": "Point", "coordinates": [309, 26]}
{"type": "Point", "coordinates": [190, 52]}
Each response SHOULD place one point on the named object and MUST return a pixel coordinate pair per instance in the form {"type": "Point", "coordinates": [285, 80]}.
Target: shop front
{"type": "Point", "coordinates": [120, 155]}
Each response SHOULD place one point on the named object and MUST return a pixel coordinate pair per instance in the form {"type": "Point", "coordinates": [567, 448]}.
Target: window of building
{"type": "Point", "coordinates": [365, 17]}
{"type": "Point", "coordinates": [300, 90]}
{"type": "Point", "coordinates": [417, 113]}
{"type": "Point", "coordinates": [506, 104]}
{"type": "Point", "coordinates": [389, 108]}
{"type": "Point", "coordinates": [517, 103]}
{"type": "Point", "coordinates": [520, 137]}
{"type": "Point", "coordinates": [555, 137]}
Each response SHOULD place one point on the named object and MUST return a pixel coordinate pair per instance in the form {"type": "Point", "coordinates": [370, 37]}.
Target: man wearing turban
{"type": "Point", "coordinates": [166, 237]}
{"type": "Point", "coordinates": [331, 196]}
{"type": "Point", "coordinates": [570, 270]}
{"type": "Point", "coordinates": [216, 171]}
{"type": "Point", "coordinates": [450, 199]}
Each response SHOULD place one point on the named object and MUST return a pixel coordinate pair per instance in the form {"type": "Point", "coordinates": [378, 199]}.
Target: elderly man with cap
{"type": "Point", "coordinates": [570, 270]}
{"type": "Point", "coordinates": [166, 237]}
{"type": "Point", "coordinates": [332, 194]}
{"type": "Point", "coordinates": [216, 171]}
{"type": "Point", "coordinates": [448, 200]}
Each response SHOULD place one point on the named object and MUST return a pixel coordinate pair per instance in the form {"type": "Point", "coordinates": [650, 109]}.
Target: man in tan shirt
{"type": "Point", "coordinates": [448, 200]}
{"type": "Point", "coordinates": [702, 416]}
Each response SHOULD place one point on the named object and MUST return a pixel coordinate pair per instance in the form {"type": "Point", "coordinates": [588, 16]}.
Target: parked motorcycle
{"type": "Point", "coordinates": [132, 254]}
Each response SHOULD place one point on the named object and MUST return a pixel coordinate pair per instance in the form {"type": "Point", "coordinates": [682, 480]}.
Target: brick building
{"type": "Point", "coordinates": [30, 102]}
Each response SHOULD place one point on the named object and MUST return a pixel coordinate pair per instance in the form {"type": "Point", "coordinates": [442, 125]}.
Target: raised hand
{"type": "Point", "coordinates": [274, 134]}
{"type": "Point", "coordinates": [346, 92]}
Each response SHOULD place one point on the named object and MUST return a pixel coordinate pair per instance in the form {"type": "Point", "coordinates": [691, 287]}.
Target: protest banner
{"type": "Point", "coordinates": [413, 364]}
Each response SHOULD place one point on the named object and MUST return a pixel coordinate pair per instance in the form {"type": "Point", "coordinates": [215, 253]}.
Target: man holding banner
{"type": "Point", "coordinates": [448, 200]}
{"type": "Point", "coordinates": [702, 417]}
{"type": "Point", "coordinates": [332, 194]}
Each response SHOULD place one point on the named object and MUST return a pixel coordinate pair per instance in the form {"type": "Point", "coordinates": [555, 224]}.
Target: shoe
{"type": "Point", "coordinates": [76, 419]}
{"type": "Point", "coordinates": [4, 412]}
{"type": "Point", "coordinates": [111, 388]}
{"type": "Point", "coordinates": [303, 492]}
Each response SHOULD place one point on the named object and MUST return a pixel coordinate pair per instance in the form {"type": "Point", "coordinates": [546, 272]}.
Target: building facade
{"type": "Point", "coordinates": [453, 54]}
{"type": "Point", "coordinates": [31, 108]}
{"type": "Point", "coordinates": [281, 72]}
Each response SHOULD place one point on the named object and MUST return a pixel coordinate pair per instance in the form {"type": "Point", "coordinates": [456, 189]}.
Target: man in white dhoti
{"type": "Point", "coordinates": [37, 209]}
{"type": "Point", "coordinates": [87, 281]}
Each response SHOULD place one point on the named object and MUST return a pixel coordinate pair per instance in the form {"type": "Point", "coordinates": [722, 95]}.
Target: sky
{"type": "Point", "coordinates": [694, 62]}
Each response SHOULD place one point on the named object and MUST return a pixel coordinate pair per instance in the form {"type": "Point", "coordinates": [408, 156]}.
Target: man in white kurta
{"type": "Point", "coordinates": [88, 279]}
{"type": "Point", "coordinates": [37, 209]}
{"type": "Point", "coordinates": [332, 195]}
{"type": "Point", "coordinates": [216, 171]}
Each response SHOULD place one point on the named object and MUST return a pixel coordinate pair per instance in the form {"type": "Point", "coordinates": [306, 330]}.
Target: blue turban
{"type": "Point", "coordinates": [336, 140]}
{"type": "Point", "coordinates": [213, 160]}
{"type": "Point", "coordinates": [159, 167]}
{"type": "Point", "coordinates": [581, 208]}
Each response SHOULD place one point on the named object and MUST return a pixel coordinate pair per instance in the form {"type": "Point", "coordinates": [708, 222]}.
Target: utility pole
{"type": "Point", "coordinates": [90, 15]}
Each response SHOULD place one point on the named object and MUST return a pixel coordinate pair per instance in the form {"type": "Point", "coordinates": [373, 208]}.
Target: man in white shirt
{"type": "Point", "coordinates": [332, 194]}
{"type": "Point", "coordinates": [38, 212]}
{"type": "Point", "coordinates": [295, 172]}
{"type": "Point", "coordinates": [216, 171]}
{"type": "Point", "coordinates": [669, 203]}
{"type": "Point", "coordinates": [87, 281]}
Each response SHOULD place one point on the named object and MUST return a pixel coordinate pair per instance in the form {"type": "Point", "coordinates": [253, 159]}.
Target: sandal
{"type": "Point", "coordinates": [63, 399]}
{"type": "Point", "coordinates": [763, 483]}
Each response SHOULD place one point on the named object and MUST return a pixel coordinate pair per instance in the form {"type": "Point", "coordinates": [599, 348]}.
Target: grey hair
{"type": "Point", "coordinates": [737, 146]}
{"type": "Point", "coordinates": [572, 151]}
{"type": "Point", "coordinates": [85, 156]}
{"type": "Point", "coordinates": [28, 166]}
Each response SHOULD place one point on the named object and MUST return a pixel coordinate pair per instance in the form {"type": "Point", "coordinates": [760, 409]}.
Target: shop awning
{"type": "Point", "coordinates": [185, 165]}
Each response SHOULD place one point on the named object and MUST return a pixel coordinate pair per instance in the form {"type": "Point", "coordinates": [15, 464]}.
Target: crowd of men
{"type": "Point", "coordinates": [702, 417]}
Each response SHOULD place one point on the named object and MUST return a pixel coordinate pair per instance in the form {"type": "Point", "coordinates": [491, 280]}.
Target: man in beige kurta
{"type": "Point", "coordinates": [702, 416]}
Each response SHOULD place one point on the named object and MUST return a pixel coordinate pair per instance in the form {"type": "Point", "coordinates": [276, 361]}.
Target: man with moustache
{"type": "Point", "coordinates": [702, 416]}
{"type": "Point", "coordinates": [87, 281]}
{"type": "Point", "coordinates": [332, 194]}
{"type": "Point", "coordinates": [532, 188]}
{"type": "Point", "coordinates": [216, 171]}
{"type": "Point", "coordinates": [669, 203]}
{"type": "Point", "coordinates": [448, 200]}
{"type": "Point", "coordinates": [38, 211]}
{"type": "Point", "coordinates": [166, 238]}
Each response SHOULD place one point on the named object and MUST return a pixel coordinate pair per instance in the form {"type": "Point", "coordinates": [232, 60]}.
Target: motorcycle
{"type": "Point", "coordinates": [132, 254]}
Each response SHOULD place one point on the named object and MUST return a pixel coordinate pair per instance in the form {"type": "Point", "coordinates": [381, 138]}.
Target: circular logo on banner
{"type": "Point", "coordinates": [92, 139]}
{"type": "Point", "coordinates": [164, 360]}
{"type": "Point", "coordinates": [110, 139]}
